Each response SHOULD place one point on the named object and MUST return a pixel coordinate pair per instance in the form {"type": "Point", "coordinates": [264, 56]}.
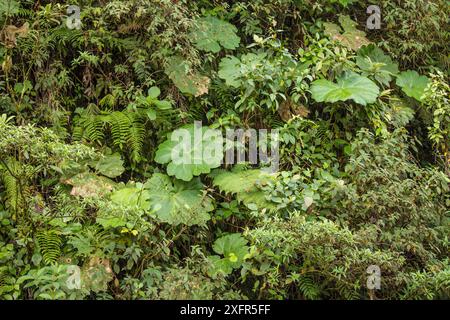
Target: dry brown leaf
{"type": "Point", "coordinates": [89, 185]}
{"type": "Point", "coordinates": [202, 85]}
{"type": "Point", "coordinates": [288, 109]}
{"type": "Point", "coordinates": [11, 32]}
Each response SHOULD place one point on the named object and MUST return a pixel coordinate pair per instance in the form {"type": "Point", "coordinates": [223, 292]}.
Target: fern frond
{"type": "Point", "coordinates": [9, 171]}
{"type": "Point", "coordinates": [49, 242]}
{"type": "Point", "coordinates": [136, 137]}
{"type": "Point", "coordinates": [120, 125]}
{"type": "Point", "coordinates": [90, 127]}
{"type": "Point", "coordinates": [309, 289]}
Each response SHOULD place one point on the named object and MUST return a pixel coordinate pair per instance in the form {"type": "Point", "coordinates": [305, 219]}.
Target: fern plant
{"type": "Point", "coordinates": [127, 130]}
{"type": "Point", "coordinates": [309, 287]}
{"type": "Point", "coordinates": [16, 190]}
{"type": "Point", "coordinates": [49, 242]}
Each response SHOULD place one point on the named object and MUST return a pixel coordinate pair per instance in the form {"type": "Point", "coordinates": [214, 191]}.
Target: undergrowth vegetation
{"type": "Point", "coordinates": [93, 204]}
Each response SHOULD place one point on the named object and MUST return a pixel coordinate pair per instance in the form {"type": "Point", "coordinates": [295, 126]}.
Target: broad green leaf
{"type": "Point", "coordinates": [219, 266]}
{"type": "Point", "coordinates": [244, 183]}
{"type": "Point", "coordinates": [163, 104]}
{"type": "Point", "coordinates": [151, 114]}
{"type": "Point", "coordinates": [154, 92]}
{"type": "Point", "coordinates": [372, 61]}
{"type": "Point", "coordinates": [412, 84]}
{"type": "Point", "coordinates": [234, 70]}
{"type": "Point", "coordinates": [239, 181]}
{"type": "Point", "coordinates": [111, 222]}
{"type": "Point", "coordinates": [191, 151]}
{"type": "Point", "coordinates": [350, 87]}
{"type": "Point", "coordinates": [232, 243]}
{"type": "Point", "coordinates": [131, 196]}
{"type": "Point", "coordinates": [178, 202]}
{"type": "Point", "coordinates": [110, 166]}
{"type": "Point", "coordinates": [229, 70]}
{"type": "Point", "coordinates": [233, 248]}
{"type": "Point", "coordinates": [211, 33]}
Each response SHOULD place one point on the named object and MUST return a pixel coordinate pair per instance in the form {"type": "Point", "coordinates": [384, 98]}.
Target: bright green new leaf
{"type": "Point", "coordinates": [412, 84]}
{"type": "Point", "coordinates": [350, 87]}
{"type": "Point", "coordinates": [154, 92]}
{"type": "Point", "coordinates": [233, 248]}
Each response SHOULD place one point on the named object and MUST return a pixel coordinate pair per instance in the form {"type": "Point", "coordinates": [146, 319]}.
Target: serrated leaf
{"type": "Point", "coordinates": [412, 84]}
{"type": "Point", "coordinates": [239, 181]}
{"type": "Point", "coordinates": [350, 87]}
{"type": "Point", "coordinates": [232, 243]}
{"type": "Point", "coordinates": [187, 157]}
{"type": "Point", "coordinates": [178, 202]}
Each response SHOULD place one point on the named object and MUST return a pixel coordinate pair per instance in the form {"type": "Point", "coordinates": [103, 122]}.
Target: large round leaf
{"type": "Point", "coordinates": [191, 151]}
{"type": "Point", "coordinates": [178, 202]}
{"type": "Point", "coordinates": [350, 87]}
{"type": "Point", "coordinates": [412, 84]}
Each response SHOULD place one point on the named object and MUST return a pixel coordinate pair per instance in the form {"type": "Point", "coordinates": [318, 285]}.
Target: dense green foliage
{"type": "Point", "coordinates": [93, 204]}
